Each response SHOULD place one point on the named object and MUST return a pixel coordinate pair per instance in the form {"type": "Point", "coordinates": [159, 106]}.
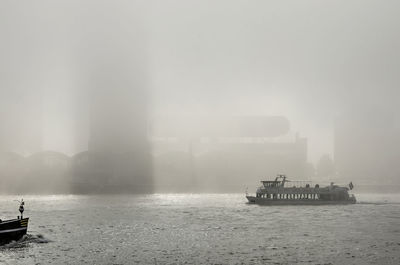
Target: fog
{"type": "Point", "coordinates": [197, 96]}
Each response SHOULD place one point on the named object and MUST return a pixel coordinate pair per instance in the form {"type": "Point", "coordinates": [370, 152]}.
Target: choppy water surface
{"type": "Point", "coordinates": [202, 229]}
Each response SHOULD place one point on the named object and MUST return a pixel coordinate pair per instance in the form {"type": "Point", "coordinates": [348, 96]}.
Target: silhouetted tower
{"type": "Point", "coordinates": [118, 132]}
{"type": "Point", "coordinates": [118, 144]}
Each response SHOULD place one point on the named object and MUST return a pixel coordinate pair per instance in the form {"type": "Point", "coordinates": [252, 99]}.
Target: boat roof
{"type": "Point", "coordinates": [294, 181]}
{"type": "Point", "coordinates": [270, 181]}
{"type": "Point", "coordinates": [12, 220]}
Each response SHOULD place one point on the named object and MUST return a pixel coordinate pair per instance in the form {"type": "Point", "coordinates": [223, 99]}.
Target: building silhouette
{"type": "Point", "coordinates": [118, 157]}
{"type": "Point", "coordinates": [225, 154]}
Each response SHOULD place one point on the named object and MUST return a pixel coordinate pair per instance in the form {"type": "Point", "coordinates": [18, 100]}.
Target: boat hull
{"type": "Point", "coordinates": [12, 230]}
{"type": "Point", "coordinates": [265, 201]}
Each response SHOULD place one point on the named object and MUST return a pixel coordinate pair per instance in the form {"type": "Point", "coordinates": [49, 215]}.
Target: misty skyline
{"type": "Point", "coordinates": [308, 61]}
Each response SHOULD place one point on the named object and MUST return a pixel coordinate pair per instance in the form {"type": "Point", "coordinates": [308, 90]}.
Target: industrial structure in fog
{"type": "Point", "coordinates": [186, 155]}
{"type": "Point", "coordinates": [225, 153]}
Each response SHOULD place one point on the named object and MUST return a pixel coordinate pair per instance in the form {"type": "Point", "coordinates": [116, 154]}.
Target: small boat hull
{"type": "Point", "coordinates": [265, 201]}
{"type": "Point", "coordinates": [12, 230]}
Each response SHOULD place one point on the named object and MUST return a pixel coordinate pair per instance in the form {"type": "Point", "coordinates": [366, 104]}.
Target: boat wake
{"type": "Point", "coordinates": [25, 241]}
{"type": "Point", "coordinates": [379, 203]}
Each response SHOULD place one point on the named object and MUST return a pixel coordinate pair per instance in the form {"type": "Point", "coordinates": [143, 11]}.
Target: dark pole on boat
{"type": "Point", "coordinates": [21, 208]}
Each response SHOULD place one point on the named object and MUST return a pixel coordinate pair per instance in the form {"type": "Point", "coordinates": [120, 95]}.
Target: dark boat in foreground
{"type": "Point", "coordinates": [279, 192]}
{"type": "Point", "coordinates": [14, 229]}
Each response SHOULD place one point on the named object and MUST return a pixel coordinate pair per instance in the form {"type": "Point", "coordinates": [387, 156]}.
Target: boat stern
{"type": "Point", "coordinates": [13, 229]}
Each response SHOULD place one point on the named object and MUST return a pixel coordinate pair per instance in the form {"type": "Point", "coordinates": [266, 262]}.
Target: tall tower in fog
{"type": "Point", "coordinates": [119, 155]}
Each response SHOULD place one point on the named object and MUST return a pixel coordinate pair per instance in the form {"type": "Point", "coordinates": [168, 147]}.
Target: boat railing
{"type": "Point", "coordinates": [298, 183]}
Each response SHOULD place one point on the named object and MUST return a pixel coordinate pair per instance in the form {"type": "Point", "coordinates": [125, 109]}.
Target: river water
{"type": "Point", "coordinates": [202, 229]}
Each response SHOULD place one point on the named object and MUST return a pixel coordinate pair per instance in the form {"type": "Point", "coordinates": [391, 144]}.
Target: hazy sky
{"type": "Point", "coordinates": [307, 60]}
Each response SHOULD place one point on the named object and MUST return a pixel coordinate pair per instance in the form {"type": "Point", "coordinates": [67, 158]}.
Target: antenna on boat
{"type": "Point", "coordinates": [351, 186]}
{"type": "Point", "coordinates": [21, 207]}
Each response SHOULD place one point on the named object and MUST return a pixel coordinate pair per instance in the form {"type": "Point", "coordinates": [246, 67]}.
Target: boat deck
{"type": "Point", "coordinates": [265, 201]}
